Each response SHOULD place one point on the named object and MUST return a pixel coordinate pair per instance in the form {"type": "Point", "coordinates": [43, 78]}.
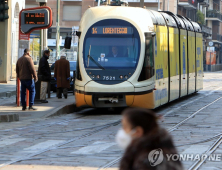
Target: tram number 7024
{"type": "Point", "coordinates": [109, 78]}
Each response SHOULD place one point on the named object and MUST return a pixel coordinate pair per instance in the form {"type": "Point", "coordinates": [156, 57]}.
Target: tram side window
{"type": "Point", "coordinates": [78, 74]}
{"type": "Point", "coordinates": [148, 65]}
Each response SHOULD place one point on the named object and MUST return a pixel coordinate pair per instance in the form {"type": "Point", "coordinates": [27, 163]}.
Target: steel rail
{"type": "Point", "coordinates": [185, 104]}
{"type": "Point", "coordinates": [212, 148]}
{"type": "Point", "coordinates": [177, 125]}
{"type": "Point", "coordinates": [191, 116]}
{"type": "Point", "coordinates": [58, 145]}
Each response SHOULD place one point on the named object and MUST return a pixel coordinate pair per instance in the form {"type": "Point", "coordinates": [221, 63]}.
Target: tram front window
{"type": "Point", "coordinates": [111, 53]}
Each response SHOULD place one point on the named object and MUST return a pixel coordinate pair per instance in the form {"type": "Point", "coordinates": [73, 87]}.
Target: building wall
{"type": "Point", "coordinates": [9, 41]}
{"type": "Point", "coordinates": [17, 6]}
{"type": "Point", "coordinates": [64, 23]}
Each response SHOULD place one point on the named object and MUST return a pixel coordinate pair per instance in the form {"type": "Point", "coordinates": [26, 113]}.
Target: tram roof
{"type": "Point", "coordinates": [153, 17]}
{"type": "Point", "coordinates": [178, 21]}
{"type": "Point", "coordinates": [195, 25]}
{"type": "Point", "coordinates": [159, 20]}
{"type": "Point", "coordinates": [169, 20]}
{"type": "Point", "coordinates": [188, 25]}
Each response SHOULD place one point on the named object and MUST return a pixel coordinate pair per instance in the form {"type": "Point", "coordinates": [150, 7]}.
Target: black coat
{"type": "Point", "coordinates": [44, 69]}
{"type": "Point", "coordinates": [136, 155]}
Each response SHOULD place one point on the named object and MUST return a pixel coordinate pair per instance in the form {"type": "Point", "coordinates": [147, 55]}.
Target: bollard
{"type": "Point", "coordinates": [27, 97]}
{"type": "Point", "coordinates": [18, 92]}
{"type": "Point", "coordinates": [49, 90]}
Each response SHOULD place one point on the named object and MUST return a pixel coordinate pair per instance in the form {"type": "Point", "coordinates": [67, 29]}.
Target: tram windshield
{"type": "Point", "coordinates": [112, 47]}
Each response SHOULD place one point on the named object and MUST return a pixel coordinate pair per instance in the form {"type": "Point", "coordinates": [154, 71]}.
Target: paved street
{"type": "Point", "coordinates": [86, 139]}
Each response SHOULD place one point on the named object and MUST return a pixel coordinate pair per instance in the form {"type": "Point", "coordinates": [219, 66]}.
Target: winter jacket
{"type": "Point", "coordinates": [62, 72]}
{"type": "Point", "coordinates": [139, 155]}
{"type": "Point", "coordinates": [44, 69]}
{"type": "Point", "coordinates": [25, 69]}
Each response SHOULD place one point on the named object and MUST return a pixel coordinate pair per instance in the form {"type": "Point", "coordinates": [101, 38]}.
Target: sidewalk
{"type": "Point", "coordinates": [10, 112]}
{"type": "Point", "coordinates": [8, 89]}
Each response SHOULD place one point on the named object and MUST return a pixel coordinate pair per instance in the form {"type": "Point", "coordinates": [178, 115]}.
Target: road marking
{"type": "Point", "coordinates": [9, 141]}
{"type": "Point", "coordinates": [96, 147]}
{"type": "Point", "coordinates": [42, 146]}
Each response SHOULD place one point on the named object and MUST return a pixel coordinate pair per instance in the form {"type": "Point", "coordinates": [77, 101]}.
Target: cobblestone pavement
{"type": "Point", "coordinates": [85, 139]}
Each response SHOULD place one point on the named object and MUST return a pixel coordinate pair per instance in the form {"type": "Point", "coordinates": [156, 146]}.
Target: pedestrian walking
{"type": "Point", "coordinates": [62, 76]}
{"type": "Point", "coordinates": [45, 73]}
{"type": "Point", "coordinates": [146, 144]}
{"type": "Point", "coordinates": [25, 71]}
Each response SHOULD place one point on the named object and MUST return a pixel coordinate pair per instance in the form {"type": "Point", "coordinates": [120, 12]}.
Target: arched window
{"type": "Point", "coordinates": [16, 13]}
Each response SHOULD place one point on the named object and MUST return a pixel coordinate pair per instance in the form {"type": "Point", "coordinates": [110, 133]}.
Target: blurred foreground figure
{"type": "Point", "coordinates": [147, 145]}
{"type": "Point", "coordinates": [62, 75]}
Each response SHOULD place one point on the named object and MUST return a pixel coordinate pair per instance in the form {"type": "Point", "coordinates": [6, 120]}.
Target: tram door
{"type": "Point", "coordinates": [183, 62]}
{"type": "Point", "coordinates": [161, 60]}
{"type": "Point", "coordinates": [164, 66]}
{"type": "Point", "coordinates": [174, 63]}
{"type": "Point", "coordinates": [199, 61]}
{"type": "Point", "coordinates": [173, 57]}
{"type": "Point", "coordinates": [191, 62]}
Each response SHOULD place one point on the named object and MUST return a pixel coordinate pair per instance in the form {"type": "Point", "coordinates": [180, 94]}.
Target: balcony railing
{"type": "Point", "coordinates": [204, 3]}
{"type": "Point", "coordinates": [188, 4]}
{"type": "Point", "coordinates": [217, 37]}
{"type": "Point", "coordinates": [211, 14]}
{"type": "Point", "coordinates": [207, 31]}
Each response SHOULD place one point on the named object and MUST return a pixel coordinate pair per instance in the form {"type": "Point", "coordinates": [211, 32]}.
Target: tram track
{"type": "Point", "coordinates": [191, 116]}
{"type": "Point", "coordinates": [185, 104]}
{"type": "Point", "coordinates": [61, 144]}
{"type": "Point", "coordinates": [98, 129]}
{"type": "Point", "coordinates": [49, 124]}
{"type": "Point", "coordinates": [111, 163]}
{"type": "Point", "coordinates": [212, 148]}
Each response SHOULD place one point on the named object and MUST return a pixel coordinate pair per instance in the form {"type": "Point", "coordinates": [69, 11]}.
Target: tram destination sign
{"type": "Point", "coordinates": [112, 30]}
{"type": "Point", "coordinates": [35, 18]}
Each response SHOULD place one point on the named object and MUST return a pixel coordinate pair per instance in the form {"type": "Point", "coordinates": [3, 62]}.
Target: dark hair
{"type": "Point", "coordinates": [26, 50]}
{"type": "Point", "coordinates": [46, 52]}
{"type": "Point", "coordinates": [141, 117]}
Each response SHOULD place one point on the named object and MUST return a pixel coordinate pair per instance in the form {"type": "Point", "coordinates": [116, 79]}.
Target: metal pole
{"type": "Point", "coordinates": [98, 2]}
{"type": "Point", "coordinates": [168, 5]}
{"type": "Point", "coordinates": [58, 30]}
{"type": "Point", "coordinates": [141, 3]}
{"type": "Point", "coordinates": [40, 45]}
{"type": "Point", "coordinates": [163, 5]}
{"type": "Point", "coordinates": [158, 5]}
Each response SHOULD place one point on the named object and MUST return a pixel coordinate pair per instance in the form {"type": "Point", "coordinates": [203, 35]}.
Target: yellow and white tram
{"type": "Point", "coordinates": [133, 57]}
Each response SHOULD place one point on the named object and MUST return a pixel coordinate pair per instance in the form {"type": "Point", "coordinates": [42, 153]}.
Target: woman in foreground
{"type": "Point", "coordinates": [147, 146]}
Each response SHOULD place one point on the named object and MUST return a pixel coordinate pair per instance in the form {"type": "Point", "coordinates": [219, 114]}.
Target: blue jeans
{"type": "Point", "coordinates": [30, 85]}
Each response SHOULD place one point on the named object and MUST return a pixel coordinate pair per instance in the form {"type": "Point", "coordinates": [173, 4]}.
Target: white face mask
{"type": "Point", "coordinates": [123, 139]}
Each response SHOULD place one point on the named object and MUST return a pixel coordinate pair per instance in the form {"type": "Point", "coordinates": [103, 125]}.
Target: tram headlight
{"type": "Point", "coordinates": [126, 77]}
{"type": "Point", "coordinates": [98, 76]}
{"type": "Point", "coordinates": [121, 77]}
{"type": "Point", "coordinates": [93, 76]}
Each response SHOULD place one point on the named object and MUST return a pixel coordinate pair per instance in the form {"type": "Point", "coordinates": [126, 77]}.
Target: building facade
{"type": "Point", "coordinates": [206, 12]}
{"type": "Point", "coordinates": [9, 40]}
{"type": "Point", "coordinates": [71, 12]}
{"type": "Point", "coordinates": [17, 6]}
{"type": "Point", "coordinates": [213, 60]}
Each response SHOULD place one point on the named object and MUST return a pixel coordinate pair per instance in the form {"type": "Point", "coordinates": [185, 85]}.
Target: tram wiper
{"type": "Point", "coordinates": [89, 57]}
{"type": "Point", "coordinates": [96, 62]}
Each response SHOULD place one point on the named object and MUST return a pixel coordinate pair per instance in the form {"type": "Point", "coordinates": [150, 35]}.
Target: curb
{"type": "Point", "coordinates": [56, 112]}
{"type": "Point", "coordinates": [62, 110]}
{"type": "Point", "coordinates": [8, 94]}
{"type": "Point", "coordinates": [9, 118]}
